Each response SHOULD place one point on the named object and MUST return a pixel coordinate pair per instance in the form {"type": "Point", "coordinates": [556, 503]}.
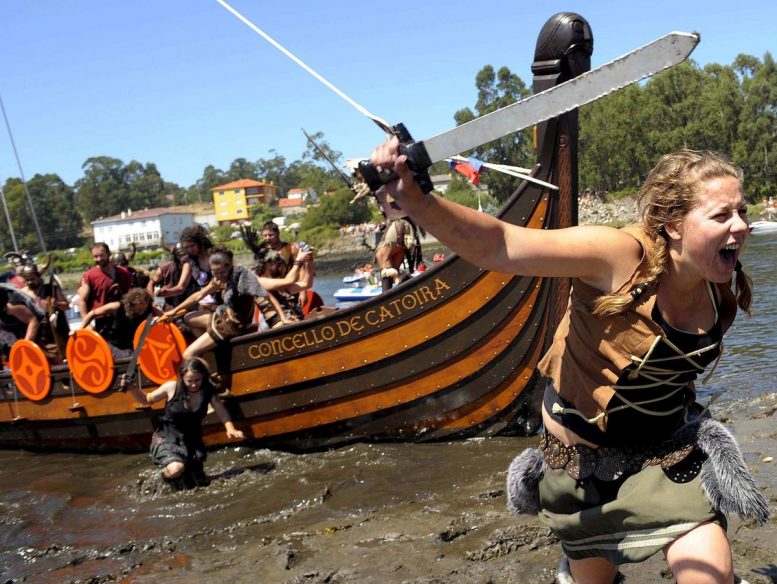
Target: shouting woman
{"type": "Point", "coordinates": [620, 473]}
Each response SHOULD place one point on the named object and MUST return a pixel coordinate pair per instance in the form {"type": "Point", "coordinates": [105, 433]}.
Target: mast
{"type": "Point", "coordinates": [24, 185]}
{"type": "Point", "coordinates": [8, 218]}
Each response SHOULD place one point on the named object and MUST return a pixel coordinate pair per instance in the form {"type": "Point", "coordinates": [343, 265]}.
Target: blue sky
{"type": "Point", "coordinates": [185, 84]}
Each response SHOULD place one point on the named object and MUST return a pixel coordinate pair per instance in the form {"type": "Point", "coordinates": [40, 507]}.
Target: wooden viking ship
{"type": "Point", "coordinates": [449, 354]}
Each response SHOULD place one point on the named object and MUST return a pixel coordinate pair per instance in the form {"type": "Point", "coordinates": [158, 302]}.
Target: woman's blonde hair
{"type": "Point", "coordinates": [665, 198]}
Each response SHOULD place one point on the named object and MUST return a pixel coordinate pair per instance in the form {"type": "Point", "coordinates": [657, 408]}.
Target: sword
{"type": "Point", "coordinates": [128, 377]}
{"type": "Point", "coordinates": [661, 54]}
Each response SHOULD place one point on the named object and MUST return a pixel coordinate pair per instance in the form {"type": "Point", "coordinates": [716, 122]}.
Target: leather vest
{"type": "Point", "coordinates": [589, 353]}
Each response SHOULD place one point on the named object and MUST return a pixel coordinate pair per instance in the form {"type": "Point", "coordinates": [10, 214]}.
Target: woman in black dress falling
{"type": "Point", "coordinates": [177, 444]}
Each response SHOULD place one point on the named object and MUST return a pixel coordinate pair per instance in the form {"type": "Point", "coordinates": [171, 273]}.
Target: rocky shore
{"type": "Point", "coordinates": [620, 212]}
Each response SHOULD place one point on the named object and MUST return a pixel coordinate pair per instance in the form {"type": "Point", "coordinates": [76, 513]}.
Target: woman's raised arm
{"type": "Point", "coordinates": [603, 257]}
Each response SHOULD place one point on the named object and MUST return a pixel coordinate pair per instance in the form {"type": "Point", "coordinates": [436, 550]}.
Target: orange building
{"type": "Point", "coordinates": [232, 202]}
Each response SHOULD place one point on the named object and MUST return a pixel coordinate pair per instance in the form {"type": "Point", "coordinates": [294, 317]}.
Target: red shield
{"type": "Point", "coordinates": [162, 352]}
{"type": "Point", "coordinates": [90, 360]}
{"type": "Point", "coordinates": [30, 370]}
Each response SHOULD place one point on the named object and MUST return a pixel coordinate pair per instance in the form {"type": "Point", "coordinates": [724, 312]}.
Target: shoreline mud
{"type": "Point", "coordinates": [458, 530]}
{"type": "Point", "coordinates": [430, 513]}
{"type": "Point", "coordinates": [466, 535]}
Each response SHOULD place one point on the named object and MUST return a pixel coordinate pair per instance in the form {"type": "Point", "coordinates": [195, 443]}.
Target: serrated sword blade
{"type": "Point", "coordinates": [661, 54]}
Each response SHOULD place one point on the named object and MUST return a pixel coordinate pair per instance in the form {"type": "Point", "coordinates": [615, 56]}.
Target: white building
{"type": "Point", "coordinates": [145, 228]}
{"type": "Point", "coordinates": [308, 194]}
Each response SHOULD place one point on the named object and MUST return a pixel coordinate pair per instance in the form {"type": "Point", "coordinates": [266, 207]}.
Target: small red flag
{"type": "Point", "coordinates": [470, 169]}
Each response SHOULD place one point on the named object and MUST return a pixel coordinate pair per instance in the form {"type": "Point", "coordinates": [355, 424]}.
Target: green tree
{"type": "Point", "coordinates": [276, 171]}
{"type": "Point", "coordinates": [624, 134]}
{"type": "Point", "coordinates": [102, 191]}
{"type": "Point", "coordinates": [211, 177]}
{"type": "Point", "coordinates": [240, 169]}
{"type": "Point", "coordinates": [313, 176]}
{"type": "Point", "coordinates": [55, 210]}
{"type": "Point", "coordinates": [336, 210]}
{"type": "Point", "coordinates": [261, 214]}
{"type": "Point", "coordinates": [613, 150]}
{"type": "Point", "coordinates": [145, 186]}
{"type": "Point", "coordinates": [461, 191]}
{"type": "Point", "coordinates": [672, 105]}
{"type": "Point", "coordinates": [497, 89]}
{"type": "Point", "coordinates": [109, 187]}
{"type": "Point", "coordinates": [721, 100]}
{"type": "Point", "coordinates": [181, 196]}
{"type": "Point", "coordinates": [319, 166]}
{"type": "Point", "coordinates": [756, 147]}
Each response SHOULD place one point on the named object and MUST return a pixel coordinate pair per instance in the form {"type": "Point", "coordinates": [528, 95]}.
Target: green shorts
{"type": "Point", "coordinates": [629, 519]}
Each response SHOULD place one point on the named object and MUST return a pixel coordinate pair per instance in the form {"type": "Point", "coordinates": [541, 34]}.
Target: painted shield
{"type": "Point", "coordinates": [30, 370]}
{"type": "Point", "coordinates": [162, 351]}
{"type": "Point", "coordinates": [90, 360]}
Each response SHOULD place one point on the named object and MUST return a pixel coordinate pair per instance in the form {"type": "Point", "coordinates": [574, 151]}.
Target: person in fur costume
{"type": "Point", "coordinates": [629, 463]}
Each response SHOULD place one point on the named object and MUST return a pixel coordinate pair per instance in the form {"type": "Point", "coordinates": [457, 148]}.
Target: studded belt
{"type": "Point", "coordinates": [609, 463]}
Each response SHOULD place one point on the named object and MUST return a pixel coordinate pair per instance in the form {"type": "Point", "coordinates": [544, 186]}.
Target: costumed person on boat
{"type": "Point", "coordinates": [128, 314]}
{"type": "Point", "coordinates": [271, 234]}
{"type": "Point", "coordinates": [168, 274]}
{"type": "Point", "coordinates": [177, 445]}
{"type": "Point", "coordinates": [236, 291]}
{"type": "Point", "coordinates": [20, 317]}
{"type": "Point", "coordinates": [102, 284]}
{"type": "Point", "coordinates": [54, 329]}
{"type": "Point", "coordinates": [287, 284]}
{"type": "Point", "coordinates": [400, 241]}
{"type": "Point", "coordinates": [18, 260]}
{"type": "Point", "coordinates": [138, 278]}
{"type": "Point", "coordinates": [194, 275]}
{"type": "Point", "coordinates": [630, 464]}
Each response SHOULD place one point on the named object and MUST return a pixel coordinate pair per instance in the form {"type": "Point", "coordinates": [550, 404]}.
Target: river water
{"type": "Point", "coordinates": [355, 514]}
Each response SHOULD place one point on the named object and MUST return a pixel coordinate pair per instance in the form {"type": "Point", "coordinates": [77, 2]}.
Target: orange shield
{"type": "Point", "coordinates": [30, 370]}
{"type": "Point", "coordinates": [90, 360]}
{"type": "Point", "coordinates": [162, 352]}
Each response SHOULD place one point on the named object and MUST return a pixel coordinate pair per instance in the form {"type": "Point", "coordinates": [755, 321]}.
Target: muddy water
{"type": "Point", "coordinates": [73, 516]}
{"type": "Point", "coordinates": [420, 513]}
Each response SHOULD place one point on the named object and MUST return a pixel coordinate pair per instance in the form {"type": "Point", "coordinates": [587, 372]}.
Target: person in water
{"type": "Point", "coordinates": [177, 444]}
{"type": "Point", "coordinates": [618, 474]}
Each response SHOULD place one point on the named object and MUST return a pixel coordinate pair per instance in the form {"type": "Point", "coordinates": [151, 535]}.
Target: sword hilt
{"type": "Point", "coordinates": [417, 160]}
